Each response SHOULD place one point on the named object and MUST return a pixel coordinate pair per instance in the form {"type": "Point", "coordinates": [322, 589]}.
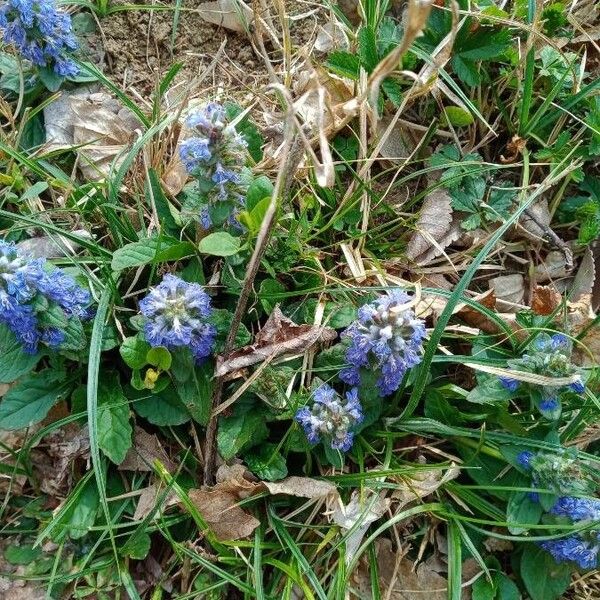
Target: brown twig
{"type": "Point", "coordinates": [551, 236]}
{"type": "Point", "coordinates": [291, 156]}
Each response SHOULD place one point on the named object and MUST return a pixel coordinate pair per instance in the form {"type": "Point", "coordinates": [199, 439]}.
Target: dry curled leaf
{"type": "Point", "coordinates": [302, 487]}
{"type": "Point", "coordinates": [422, 483]}
{"type": "Point", "coordinates": [145, 450]}
{"type": "Point", "coordinates": [357, 515]}
{"type": "Point", "coordinates": [514, 148]}
{"type": "Point", "coordinates": [434, 223]}
{"type": "Point", "coordinates": [552, 268]}
{"type": "Point", "coordinates": [148, 500]}
{"type": "Point", "coordinates": [279, 336]}
{"type": "Point", "coordinates": [535, 221]}
{"type": "Point", "coordinates": [331, 36]}
{"type": "Point", "coordinates": [545, 300]}
{"type": "Point", "coordinates": [234, 15]}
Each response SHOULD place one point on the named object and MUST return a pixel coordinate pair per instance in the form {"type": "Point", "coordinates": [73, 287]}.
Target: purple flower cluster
{"type": "Point", "coordinates": [583, 547]}
{"type": "Point", "coordinates": [387, 337]}
{"type": "Point", "coordinates": [214, 156]}
{"type": "Point", "coordinates": [41, 33]}
{"type": "Point", "coordinates": [330, 418]}
{"type": "Point", "coordinates": [29, 292]}
{"type": "Point", "coordinates": [176, 315]}
{"type": "Point", "coordinates": [550, 356]}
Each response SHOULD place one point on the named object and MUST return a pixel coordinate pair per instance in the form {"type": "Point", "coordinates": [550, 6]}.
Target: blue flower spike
{"type": "Point", "coordinates": [41, 33]}
{"type": "Point", "coordinates": [330, 418]}
{"type": "Point", "coordinates": [583, 547]}
{"type": "Point", "coordinates": [214, 154]}
{"type": "Point", "coordinates": [387, 338]}
{"type": "Point", "coordinates": [25, 284]}
{"type": "Point", "coordinates": [176, 315]}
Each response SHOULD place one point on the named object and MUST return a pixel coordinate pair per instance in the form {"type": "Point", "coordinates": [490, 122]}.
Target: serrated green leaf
{"type": "Point", "coordinates": [22, 555]}
{"type": "Point", "coordinates": [15, 361]}
{"type": "Point", "coordinates": [114, 429]}
{"type": "Point", "coordinates": [30, 400]}
{"type": "Point", "coordinates": [220, 243]}
{"type": "Point", "coordinates": [266, 462]}
{"type": "Point", "coordinates": [367, 48]}
{"type": "Point", "coordinates": [344, 64]}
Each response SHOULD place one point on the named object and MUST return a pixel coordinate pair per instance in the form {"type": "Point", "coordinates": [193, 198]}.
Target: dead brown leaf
{"type": "Point", "coordinates": [513, 149]}
{"type": "Point", "coordinates": [145, 450]}
{"type": "Point", "coordinates": [434, 224]}
{"type": "Point", "coordinates": [303, 487]}
{"type": "Point", "coordinates": [552, 268]}
{"type": "Point", "coordinates": [583, 284]}
{"type": "Point", "coordinates": [148, 499]}
{"type": "Point", "coordinates": [219, 508]}
{"type": "Point", "coordinates": [545, 300]}
{"type": "Point", "coordinates": [279, 336]}
{"type": "Point", "coordinates": [509, 291]}
{"type": "Point", "coordinates": [535, 221]}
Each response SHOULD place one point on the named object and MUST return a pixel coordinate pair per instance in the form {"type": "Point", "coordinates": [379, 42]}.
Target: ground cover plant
{"type": "Point", "coordinates": [299, 299]}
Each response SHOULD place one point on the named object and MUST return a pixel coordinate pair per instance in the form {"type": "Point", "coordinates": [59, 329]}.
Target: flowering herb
{"type": "Point", "coordinates": [386, 337]}
{"type": "Point", "coordinates": [558, 472]}
{"type": "Point", "coordinates": [550, 356]}
{"type": "Point", "coordinates": [330, 418]}
{"type": "Point", "coordinates": [37, 304]}
{"type": "Point", "coordinates": [582, 547]}
{"type": "Point", "coordinates": [215, 156]}
{"type": "Point", "coordinates": [41, 33]}
{"type": "Point", "coordinates": [176, 315]}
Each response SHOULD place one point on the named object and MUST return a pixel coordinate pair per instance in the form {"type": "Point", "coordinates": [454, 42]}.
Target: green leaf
{"type": "Point", "coordinates": [15, 361]}
{"type": "Point", "coordinates": [268, 288]}
{"type": "Point", "coordinates": [165, 210]}
{"type": "Point", "coordinates": [544, 578]}
{"type": "Point", "coordinates": [522, 510]}
{"type": "Point", "coordinates": [467, 70]}
{"type": "Point", "coordinates": [114, 428]}
{"type": "Point", "coordinates": [344, 64]}
{"type": "Point", "coordinates": [30, 400]}
{"type": "Point", "coordinates": [159, 357]}
{"type": "Point", "coordinates": [260, 188]}
{"type": "Point", "coordinates": [507, 588]}
{"type": "Point", "coordinates": [75, 338]}
{"type": "Point", "coordinates": [196, 392]}
{"type": "Point", "coordinates": [458, 117]}
{"type": "Point", "coordinates": [266, 462]}
{"type": "Point", "coordinates": [139, 548]}
{"type": "Point", "coordinates": [83, 514]}
{"type": "Point", "coordinates": [22, 555]}
{"type": "Point", "coordinates": [220, 243]}
{"type": "Point", "coordinates": [243, 429]}
{"type": "Point", "coordinates": [50, 79]}
{"type": "Point", "coordinates": [248, 130]}
{"type": "Point", "coordinates": [133, 350]}
{"type": "Point", "coordinates": [163, 408]}
{"type": "Point", "coordinates": [221, 319]}
{"type": "Point", "coordinates": [151, 250]}
{"type": "Point", "coordinates": [253, 219]}
{"type": "Point", "coordinates": [367, 48]}
{"type": "Point", "coordinates": [483, 589]}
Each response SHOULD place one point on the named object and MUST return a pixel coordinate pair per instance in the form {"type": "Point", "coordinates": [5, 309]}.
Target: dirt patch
{"type": "Point", "coordinates": [140, 47]}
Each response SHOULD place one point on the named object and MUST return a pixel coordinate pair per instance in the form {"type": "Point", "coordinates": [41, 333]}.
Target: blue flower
{"type": "Point", "coordinates": [331, 418]}
{"type": "Point", "coordinates": [24, 283]}
{"type": "Point", "coordinates": [176, 315]}
{"type": "Point", "coordinates": [194, 152]}
{"type": "Point", "coordinates": [41, 32]}
{"type": "Point", "coordinates": [512, 385]}
{"type": "Point", "coordinates": [578, 387]}
{"type": "Point", "coordinates": [386, 337]}
{"type": "Point", "coordinates": [577, 509]}
{"type": "Point", "coordinates": [550, 407]}
{"type": "Point", "coordinates": [524, 459]}
{"type": "Point", "coordinates": [574, 548]}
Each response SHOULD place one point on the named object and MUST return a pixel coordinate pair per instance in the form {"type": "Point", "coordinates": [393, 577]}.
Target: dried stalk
{"type": "Point", "coordinates": [291, 156]}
